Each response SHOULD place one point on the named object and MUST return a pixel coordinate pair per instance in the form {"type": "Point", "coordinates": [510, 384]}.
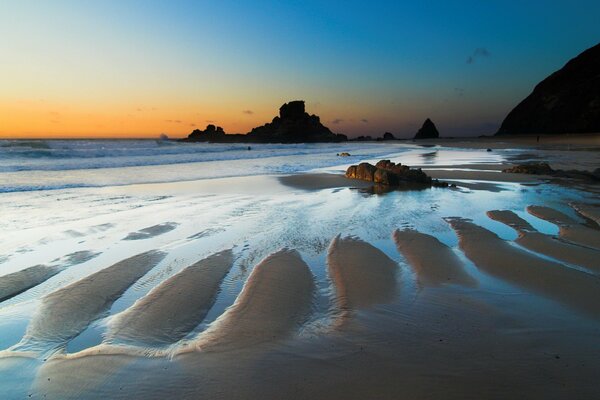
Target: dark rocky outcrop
{"type": "Point", "coordinates": [543, 168]}
{"type": "Point", "coordinates": [391, 174]}
{"type": "Point", "coordinates": [294, 125]}
{"type": "Point", "coordinates": [388, 136]}
{"type": "Point", "coordinates": [540, 168]}
{"type": "Point", "coordinates": [568, 101]}
{"type": "Point", "coordinates": [427, 131]}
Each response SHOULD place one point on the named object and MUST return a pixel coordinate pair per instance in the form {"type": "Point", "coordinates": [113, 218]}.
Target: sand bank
{"type": "Point", "coordinates": [569, 229]}
{"type": "Point", "coordinates": [362, 274]}
{"type": "Point", "coordinates": [151, 231]}
{"type": "Point", "coordinates": [321, 181]}
{"type": "Point", "coordinates": [66, 312]}
{"type": "Point", "coordinates": [275, 300]}
{"type": "Point", "coordinates": [495, 256]}
{"type": "Point", "coordinates": [20, 281]}
{"type": "Point", "coordinates": [433, 262]}
{"type": "Point", "coordinates": [589, 211]}
{"type": "Point", "coordinates": [175, 307]}
{"type": "Point", "coordinates": [547, 245]}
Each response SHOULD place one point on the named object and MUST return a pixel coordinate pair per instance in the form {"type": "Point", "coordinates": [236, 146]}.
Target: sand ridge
{"type": "Point", "coordinates": [274, 301]}
{"type": "Point", "coordinates": [175, 307]}
{"type": "Point", "coordinates": [547, 245]}
{"type": "Point", "coordinates": [362, 274]}
{"type": "Point", "coordinates": [497, 257]}
{"type": "Point", "coordinates": [66, 312]}
{"type": "Point", "coordinates": [433, 262]}
{"type": "Point", "coordinates": [569, 229]}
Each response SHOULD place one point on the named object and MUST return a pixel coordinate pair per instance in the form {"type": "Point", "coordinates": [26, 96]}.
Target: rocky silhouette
{"type": "Point", "coordinates": [568, 101]}
{"type": "Point", "coordinates": [388, 136]}
{"type": "Point", "coordinates": [293, 125]}
{"type": "Point", "coordinates": [391, 174]}
{"type": "Point", "coordinates": [427, 131]}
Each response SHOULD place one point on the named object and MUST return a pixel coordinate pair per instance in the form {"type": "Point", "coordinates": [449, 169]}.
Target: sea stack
{"type": "Point", "coordinates": [568, 101]}
{"type": "Point", "coordinates": [294, 125]}
{"type": "Point", "coordinates": [427, 131]}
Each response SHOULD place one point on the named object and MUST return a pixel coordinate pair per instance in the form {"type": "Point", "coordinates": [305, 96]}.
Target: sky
{"type": "Point", "coordinates": [141, 68]}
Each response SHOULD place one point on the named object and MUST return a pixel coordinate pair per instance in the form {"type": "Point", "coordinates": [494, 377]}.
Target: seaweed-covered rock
{"type": "Point", "coordinates": [391, 174]}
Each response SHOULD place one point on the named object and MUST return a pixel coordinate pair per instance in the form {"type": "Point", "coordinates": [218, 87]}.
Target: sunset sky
{"type": "Point", "coordinates": [142, 68]}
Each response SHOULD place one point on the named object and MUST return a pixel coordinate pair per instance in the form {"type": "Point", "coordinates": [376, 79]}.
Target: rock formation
{"type": "Point", "coordinates": [568, 101]}
{"type": "Point", "coordinates": [427, 131]}
{"type": "Point", "coordinates": [388, 136]}
{"type": "Point", "coordinates": [210, 134]}
{"type": "Point", "coordinates": [391, 174]}
{"type": "Point", "coordinates": [294, 125]}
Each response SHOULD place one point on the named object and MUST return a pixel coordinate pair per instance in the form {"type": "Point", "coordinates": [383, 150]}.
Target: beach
{"type": "Point", "coordinates": [155, 269]}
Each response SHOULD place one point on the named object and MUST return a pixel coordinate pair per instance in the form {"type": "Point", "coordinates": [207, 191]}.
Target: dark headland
{"type": "Point", "coordinates": [568, 101]}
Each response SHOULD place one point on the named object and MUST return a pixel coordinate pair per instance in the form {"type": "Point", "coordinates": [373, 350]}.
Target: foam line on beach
{"type": "Point", "coordinates": [362, 274]}
{"type": "Point", "coordinates": [175, 307]}
{"type": "Point", "coordinates": [274, 302]}
{"type": "Point", "coordinates": [63, 314]}
{"type": "Point", "coordinates": [151, 231]}
{"type": "Point", "coordinates": [569, 229]}
{"type": "Point", "coordinates": [547, 245]}
{"type": "Point", "coordinates": [589, 211]}
{"type": "Point", "coordinates": [497, 257]}
{"type": "Point", "coordinates": [433, 262]}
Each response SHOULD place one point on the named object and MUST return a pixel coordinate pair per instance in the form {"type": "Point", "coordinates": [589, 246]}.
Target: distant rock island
{"type": "Point", "coordinates": [568, 101]}
{"type": "Point", "coordinates": [293, 125]}
{"type": "Point", "coordinates": [427, 131]}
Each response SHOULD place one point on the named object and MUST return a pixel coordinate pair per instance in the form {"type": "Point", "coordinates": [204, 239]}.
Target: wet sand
{"type": "Point", "coordinates": [175, 307]}
{"type": "Point", "coordinates": [363, 275]}
{"type": "Point", "coordinates": [547, 245]}
{"type": "Point", "coordinates": [66, 312]}
{"type": "Point", "coordinates": [433, 262]}
{"type": "Point", "coordinates": [275, 300]}
{"type": "Point", "coordinates": [574, 288]}
{"type": "Point", "coordinates": [569, 229]}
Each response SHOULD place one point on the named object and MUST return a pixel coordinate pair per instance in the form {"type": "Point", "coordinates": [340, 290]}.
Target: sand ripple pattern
{"type": "Point", "coordinates": [434, 263]}
{"type": "Point", "coordinates": [569, 229]}
{"type": "Point", "coordinates": [175, 307]}
{"type": "Point", "coordinates": [497, 257]}
{"type": "Point", "coordinates": [18, 282]}
{"type": "Point", "coordinates": [362, 274]}
{"type": "Point", "coordinates": [274, 302]}
{"type": "Point", "coordinates": [66, 312]}
{"type": "Point", "coordinates": [547, 245]}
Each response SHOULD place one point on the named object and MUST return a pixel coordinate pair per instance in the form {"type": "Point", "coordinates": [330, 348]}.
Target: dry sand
{"type": "Point", "coordinates": [175, 307]}
{"type": "Point", "coordinates": [569, 229]}
{"type": "Point", "coordinates": [66, 312]}
{"type": "Point", "coordinates": [275, 300]}
{"type": "Point", "coordinates": [547, 245]}
{"type": "Point", "coordinates": [433, 262]}
{"type": "Point", "coordinates": [497, 257]}
{"type": "Point", "coordinates": [362, 274]}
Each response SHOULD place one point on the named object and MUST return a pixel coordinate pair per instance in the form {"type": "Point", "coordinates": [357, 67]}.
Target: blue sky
{"type": "Point", "coordinates": [364, 67]}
